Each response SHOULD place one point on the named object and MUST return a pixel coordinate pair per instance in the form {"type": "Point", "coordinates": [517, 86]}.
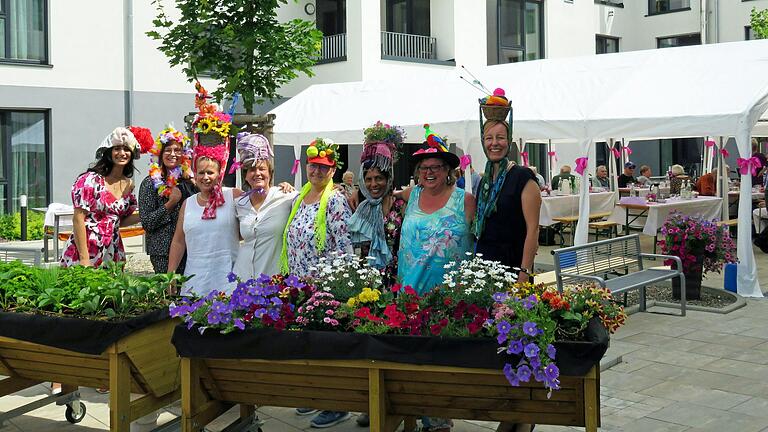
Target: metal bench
{"type": "Point", "coordinates": [616, 264]}
{"type": "Point", "coordinates": [31, 253]}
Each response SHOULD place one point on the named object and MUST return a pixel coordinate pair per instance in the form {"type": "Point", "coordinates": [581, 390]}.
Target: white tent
{"type": "Point", "coordinates": [710, 90]}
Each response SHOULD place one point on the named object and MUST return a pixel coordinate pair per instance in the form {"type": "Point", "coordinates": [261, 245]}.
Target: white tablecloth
{"type": "Point", "coordinates": [706, 207]}
{"type": "Point", "coordinates": [568, 205]}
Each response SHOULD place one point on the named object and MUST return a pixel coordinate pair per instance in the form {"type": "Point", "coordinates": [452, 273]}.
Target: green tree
{"type": "Point", "coordinates": [759, 22]}
{"type": "Point", "coordinates": [240, 43]}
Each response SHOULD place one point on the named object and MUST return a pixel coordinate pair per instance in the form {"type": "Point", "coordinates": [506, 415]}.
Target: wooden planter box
{"type": "Point", "coordinates": [144, 362]}
{"type": "Point", "coordinates": [390, 392]}
{"type": "Point", "coordinates": [391, 377]}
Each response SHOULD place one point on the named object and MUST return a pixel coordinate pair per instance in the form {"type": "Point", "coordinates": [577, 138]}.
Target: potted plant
{"type": "Point", "coordinates": [701, 245]}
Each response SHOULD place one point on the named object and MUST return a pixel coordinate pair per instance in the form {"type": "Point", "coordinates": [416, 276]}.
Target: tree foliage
{"type": "Point", "coordinates": [240, 43]}
{"type": "Point", "coordinates": [759, 23]}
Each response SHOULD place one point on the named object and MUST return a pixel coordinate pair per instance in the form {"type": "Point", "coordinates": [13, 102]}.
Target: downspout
{"type": "Point", "coordinates": [717, 21]}
{"type": "Point", "coordinates": [128, 62]}
{"type": "Point", "coordinates": [703, 20]}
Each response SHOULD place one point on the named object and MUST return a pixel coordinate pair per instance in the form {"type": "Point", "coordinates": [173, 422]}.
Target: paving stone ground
{"type": "Point", "coordinates": [703, 372]}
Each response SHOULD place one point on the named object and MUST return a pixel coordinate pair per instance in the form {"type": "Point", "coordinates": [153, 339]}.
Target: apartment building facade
{"type": "Point", "coordinates": [67, 77]}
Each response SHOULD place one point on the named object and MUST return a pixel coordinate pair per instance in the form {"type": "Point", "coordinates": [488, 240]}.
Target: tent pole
{"type": "Point", "coordinates": [723, 180]}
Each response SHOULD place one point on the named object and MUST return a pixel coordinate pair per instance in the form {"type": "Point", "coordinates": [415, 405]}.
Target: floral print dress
{"type": "Point", "coordinates": [102, 222]}
{"type": "Point", "coordinates": [430, 241]}
{"type": "Point", "coordinates": [302, 252]}
{"type": "Point", "coordinates": [393, 221]}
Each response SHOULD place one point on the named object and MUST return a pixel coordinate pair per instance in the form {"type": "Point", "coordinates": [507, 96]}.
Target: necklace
{"type": "Point", "coordinates": [164, 186]}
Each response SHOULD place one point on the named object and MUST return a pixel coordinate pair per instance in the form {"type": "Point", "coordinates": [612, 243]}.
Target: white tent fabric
{"type": "Point", "coordinates": [715, 90]}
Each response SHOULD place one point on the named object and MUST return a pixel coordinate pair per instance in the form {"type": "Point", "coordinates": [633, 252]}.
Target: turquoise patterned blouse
{"type": "Point", "coordinates": [430, 241]}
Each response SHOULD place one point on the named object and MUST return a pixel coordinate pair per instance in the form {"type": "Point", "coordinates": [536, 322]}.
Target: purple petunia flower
{"type": "Point", "coordinates": [529, 302]}
{"type": "Point", "coordinates": [231, 277]}
{"type": "Point", "coordinates": [501, 338]}
{"type": "Point", "coordinates": [239, 323]}
{"type": "Point", "coordinates": [551, 372]}
{"type": "Point", "coordinates": [500, 297]}
{"type": "Point", "coordinates": [503, 327]}
{"type": "Point", "coordinates": [515, 347]}
{"type": "Point", "coordinates": [263, 279]}
{"type": "Point", "coordinates": [511, 375]}
{"type": "Point", "coordinates": [524, 373]}
{"type": "Point", "coordinates": [535, 362]}
{"type": "Point", "coordinates": [531, 350]}
{"type": "Point", "coordinates": [530, 328]}
{"type": "Point", "coordinates": [551, 352]}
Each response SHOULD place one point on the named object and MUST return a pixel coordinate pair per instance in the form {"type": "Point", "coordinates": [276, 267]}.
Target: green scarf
{"type": "Point", "coordinates": [320, 223]}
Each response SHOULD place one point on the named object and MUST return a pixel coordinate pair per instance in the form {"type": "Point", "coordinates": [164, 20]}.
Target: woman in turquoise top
{"type": "Point", "coordinates": [436, 228]}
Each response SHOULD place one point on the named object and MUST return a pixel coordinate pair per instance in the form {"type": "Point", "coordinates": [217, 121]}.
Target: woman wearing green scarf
{"type": "Point", "coordinates": [317, 225]}
{"type": "Point", "coordinates": [509, 200]}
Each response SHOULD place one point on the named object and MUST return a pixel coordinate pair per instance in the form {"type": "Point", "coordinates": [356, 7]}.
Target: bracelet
{"type": "Point", "coordinates": [524, 270]}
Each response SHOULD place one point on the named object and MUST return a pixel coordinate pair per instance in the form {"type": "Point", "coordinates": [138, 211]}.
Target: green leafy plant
{"type": "Point", "coordinates": [82, 291]}
{"type": "Point", "coordinates": [240, 43]}
{"type": "Point", "coordinates": [759, 22]}
{"type": "Point", "coordinates": [10, 226]}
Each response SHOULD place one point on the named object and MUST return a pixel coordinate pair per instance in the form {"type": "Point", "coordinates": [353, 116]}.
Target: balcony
{"type": "Point", "coordinates": [333, 49]}
{"type": "Point", "coordinates": [408, 47]}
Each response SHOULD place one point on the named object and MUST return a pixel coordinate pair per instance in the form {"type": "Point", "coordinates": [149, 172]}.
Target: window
{"type": "Point", "coordinates": [662, 6]}
{"type": "Point", "coordinates": [606, 44]}
{"type": "Point", "coordinates": [520, 30]}
{"type": "Point", "coordinates": [24, 31]}
{"type": "Point", "coordinates": [748, 33]}
{"type": "Point", "coordinates": [408, 16]}
{"type": "Point", "coordinates": [24, 153]}
{"type": "Point", "coordinates": [676, 41]}
{"type": "Point", "coordinates": [331, 17]}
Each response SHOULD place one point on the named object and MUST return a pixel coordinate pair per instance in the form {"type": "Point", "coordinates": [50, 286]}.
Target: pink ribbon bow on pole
{"type": "Point", "coordinates": [552, 155]}
{"type": "Point", "coordinates": [524, 156]}
{"type": "Point", "coordinates": [296, 165]}
{"type": "Point", "coordinates": [749, 165]}
{"type": "Point", "coordinates": [581, 165]}
{"type": "Point", "coordinates": [724, 152]}
{"type": "Point", "coordinates": [711, 144]}
{"type": "Point", "coordinates": [627, 150]}
{"type": "Point", "coordinates": [616, 153]}
{"type": "Point", "coordinates": [464, 161]}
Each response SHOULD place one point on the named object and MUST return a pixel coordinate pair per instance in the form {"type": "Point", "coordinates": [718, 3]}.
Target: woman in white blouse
{"type": "Point", "coordinates": [262, 211]}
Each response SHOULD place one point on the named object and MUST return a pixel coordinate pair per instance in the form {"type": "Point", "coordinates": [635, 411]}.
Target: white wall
{"type": "Point", "coordinates": [734, 16]}
{"type": "Point", "coordinates": [442, 27]}
{"type": "Point", "coordinates": [569, 28]}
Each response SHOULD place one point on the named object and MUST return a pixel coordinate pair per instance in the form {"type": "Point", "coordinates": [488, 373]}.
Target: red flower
{"type": "Point", "coordinates": [435, 329]}
{"type": "Point", "coordinates": [448, 301]}
{"type": "Point", "coordinates": [396, 287]}
{"type": "Point", "coordinates": [444, 322]}
{"type": "Point", "coordinates": [411, 308]}
{"type": "Point", "coordinates": [409, 290]}
{"type": "Point", "coordinates": [473, 327]}
{"type": "Point", "coordinates": [396, 317]}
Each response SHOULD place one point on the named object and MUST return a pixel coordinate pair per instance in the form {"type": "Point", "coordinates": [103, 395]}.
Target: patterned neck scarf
{"type": "Point", "coordinates": [320, 222]}
{"type": "Point", "coordinates": [367, 224]}
{"type": "Point", "coordinates": [488, 191]}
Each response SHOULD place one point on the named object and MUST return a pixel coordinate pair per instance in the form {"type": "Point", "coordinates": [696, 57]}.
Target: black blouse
{"type": "Point", "coordinates": [503, 238]}
{"type": "Point", "coordinates": [158, 222]}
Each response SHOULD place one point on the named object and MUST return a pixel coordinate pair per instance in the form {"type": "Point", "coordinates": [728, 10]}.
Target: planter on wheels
{"type": "Point", "coordinates": [133, 356]}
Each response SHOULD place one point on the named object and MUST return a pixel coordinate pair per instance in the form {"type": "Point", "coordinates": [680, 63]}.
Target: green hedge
{"type": "Point", "coordinates": [10, 226]}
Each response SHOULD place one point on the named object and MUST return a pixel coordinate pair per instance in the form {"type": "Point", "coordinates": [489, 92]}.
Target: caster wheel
{"type": "Point", "coordinates": [70, 413]}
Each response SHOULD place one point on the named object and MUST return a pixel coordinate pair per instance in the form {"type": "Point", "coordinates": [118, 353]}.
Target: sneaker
{"type": "Point", "coordinates": [328, 418]}
{"type": "Point", "coordinates": [305, 411]}
{"type": "Point", "coordinates": [363, 420]}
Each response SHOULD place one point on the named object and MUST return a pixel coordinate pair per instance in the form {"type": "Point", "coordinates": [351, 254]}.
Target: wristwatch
{"type": "Point", "coordinates": [524, 270]}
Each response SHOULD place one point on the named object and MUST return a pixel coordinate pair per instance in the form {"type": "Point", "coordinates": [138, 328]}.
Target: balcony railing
{"type": "Point", "coordinates": [333, 48]}
{"type": "Point", "coordinates": [408, 46]}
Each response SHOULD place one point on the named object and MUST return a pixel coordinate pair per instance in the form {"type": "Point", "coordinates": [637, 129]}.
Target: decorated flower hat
{"type": "Point", "coordinates": [435, 147]}
{"type": "Point", "coordinates": [381, 145]}
{"type": "Point", "coordinates": [496, 108]}
{"type": "Point", "coordinates": [323, 151]}
{"type": "Point", "coordinates": [252, 147]}
{"type": "Point", "coordinates": [173, 176]}
{"type": "Point", "coordinates": [134, 137]}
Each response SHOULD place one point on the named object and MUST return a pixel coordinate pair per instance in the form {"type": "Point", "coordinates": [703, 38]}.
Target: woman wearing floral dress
{"type": "Point", "coordinates": [317, 227]}
{"type": "Point", "coordinates": [104, 201]}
